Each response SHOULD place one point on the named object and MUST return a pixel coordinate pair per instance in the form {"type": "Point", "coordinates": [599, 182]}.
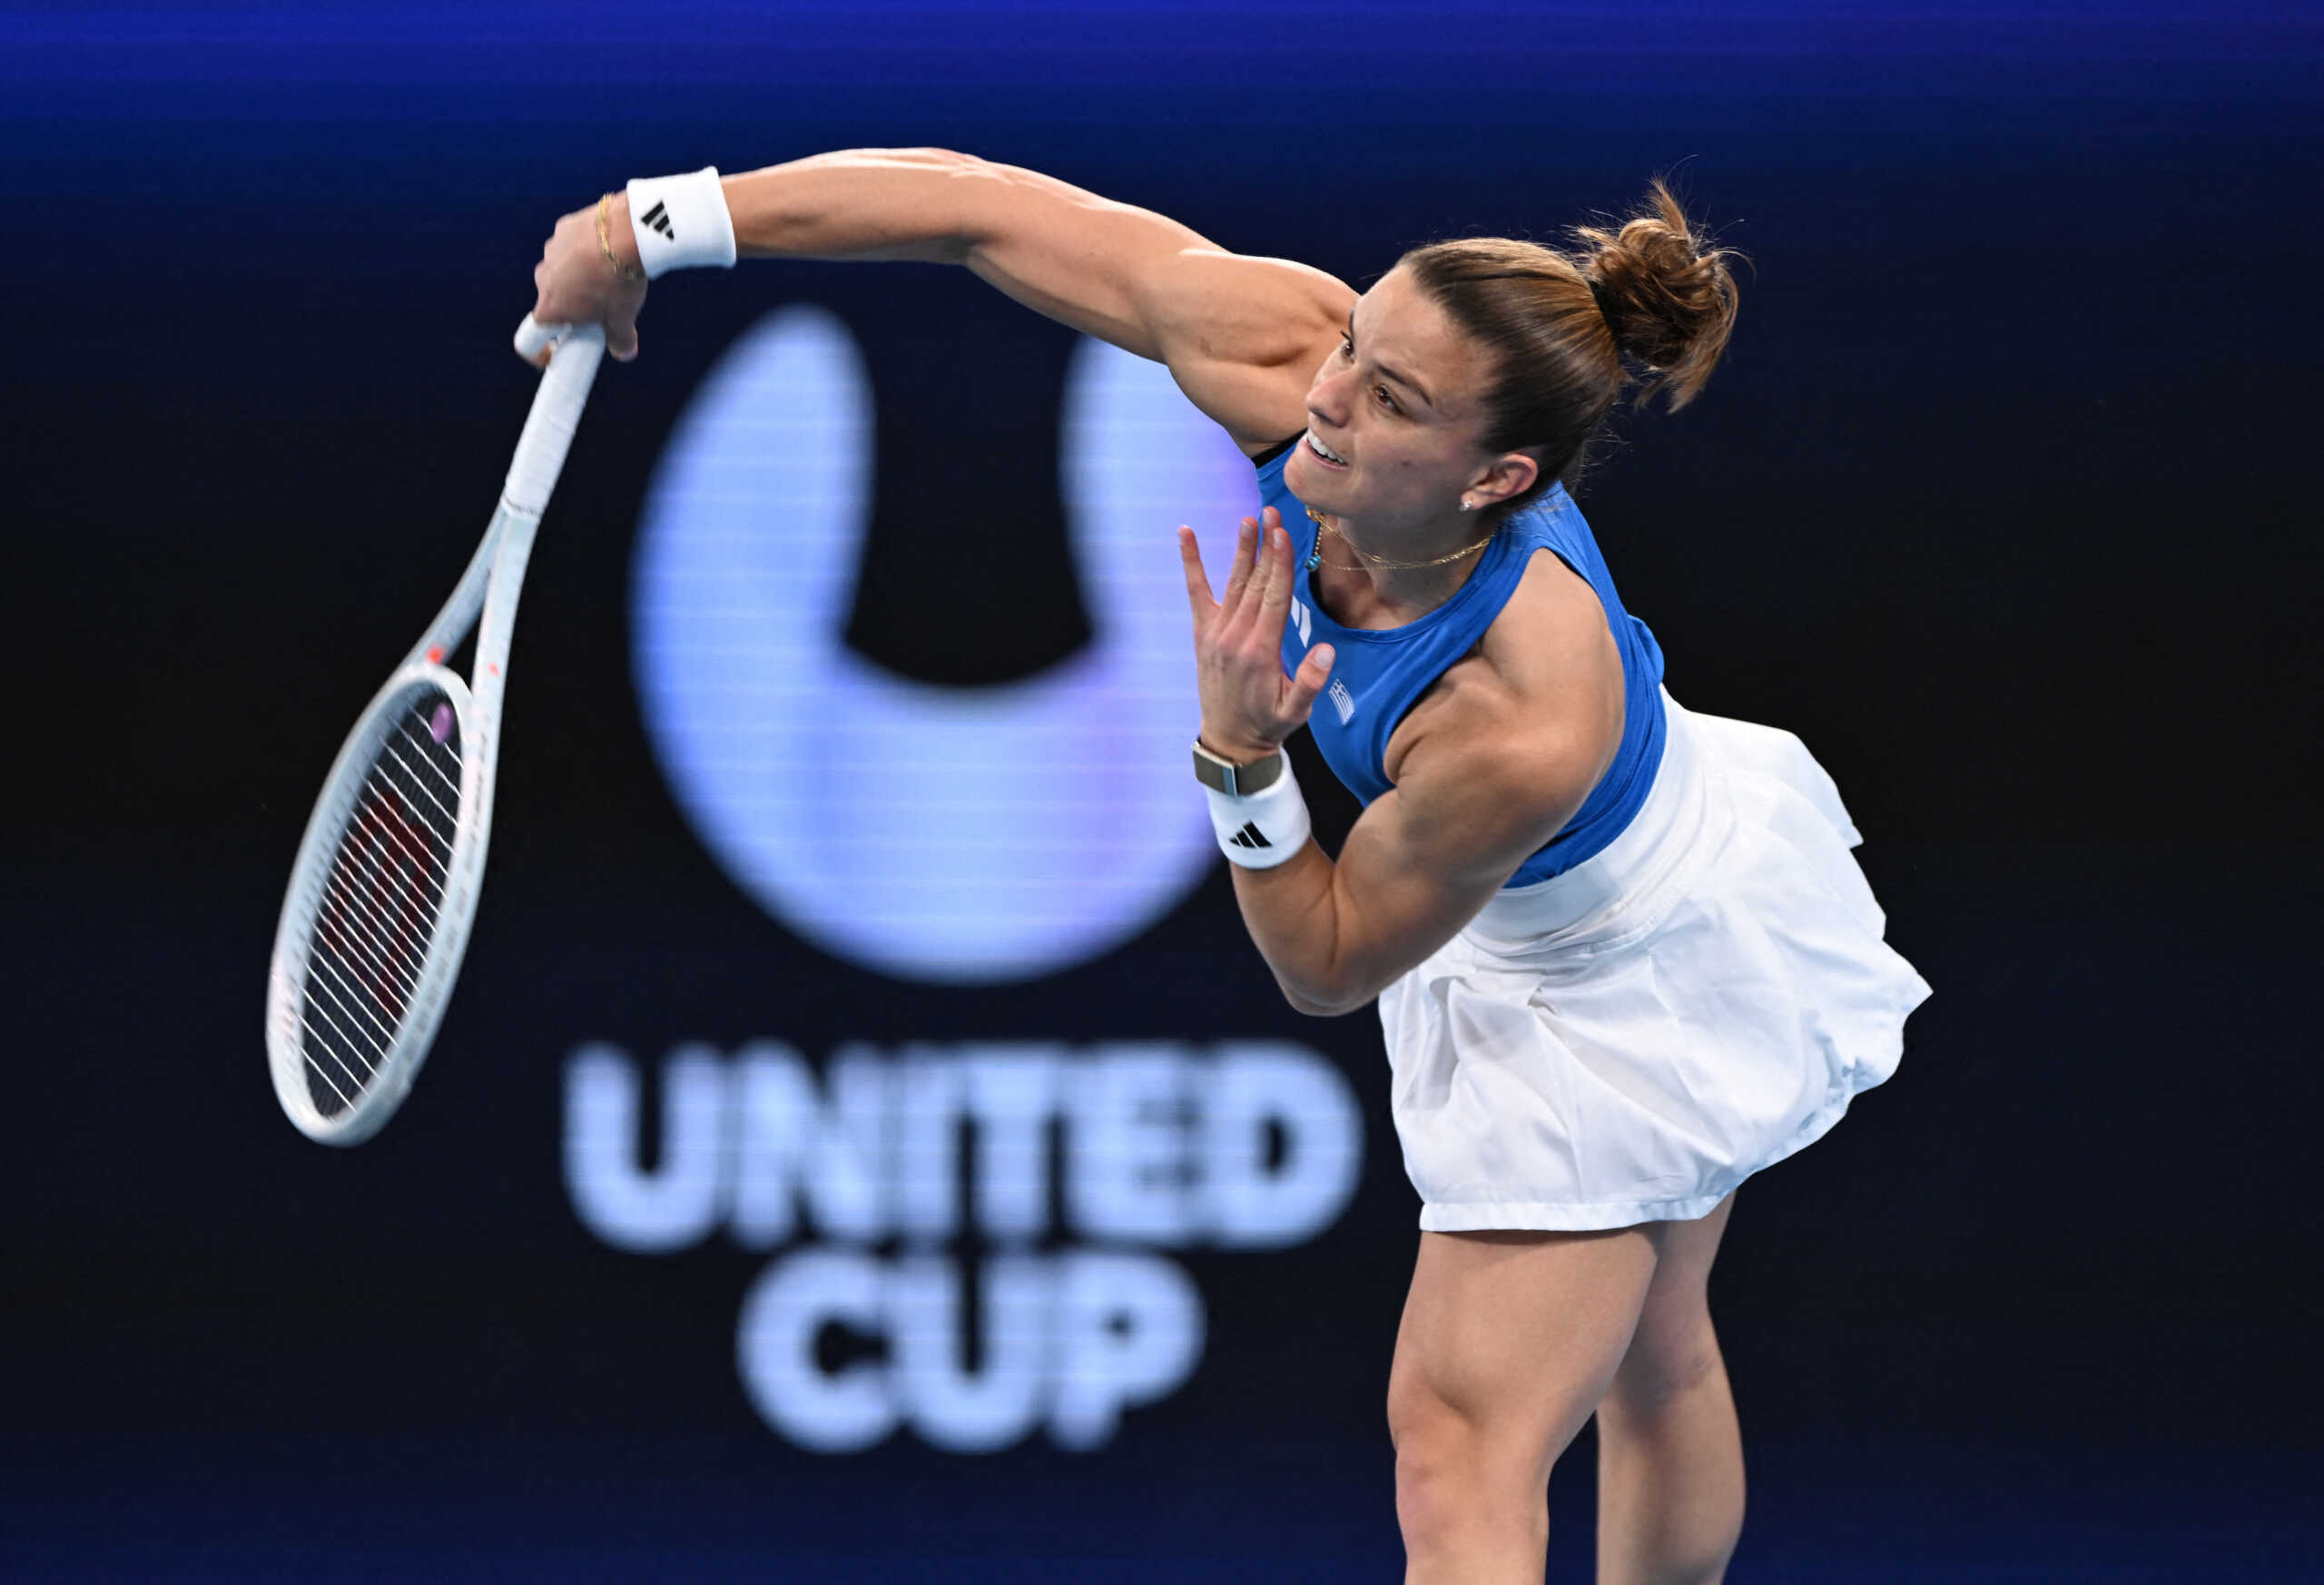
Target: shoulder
{"type": "Point", "coordinates": [1521, 729]}
{"type": "Point", "coordinates": [1553, 649]}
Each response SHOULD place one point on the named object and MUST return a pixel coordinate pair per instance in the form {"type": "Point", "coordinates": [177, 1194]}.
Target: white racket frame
{"type": "Point", "coordinates": [489, 587]}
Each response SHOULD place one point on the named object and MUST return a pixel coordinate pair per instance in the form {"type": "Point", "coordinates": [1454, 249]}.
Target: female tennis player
{"type": "Point", "coordinates": [1623, 956]}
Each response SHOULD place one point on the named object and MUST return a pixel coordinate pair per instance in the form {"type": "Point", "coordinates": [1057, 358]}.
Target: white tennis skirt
{"type": "Point", "coordinates": [1628, 1041]}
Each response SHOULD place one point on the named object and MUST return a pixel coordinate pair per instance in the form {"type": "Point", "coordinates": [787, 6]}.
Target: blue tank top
{"type": "Point", "coordinates": [1380, 673]}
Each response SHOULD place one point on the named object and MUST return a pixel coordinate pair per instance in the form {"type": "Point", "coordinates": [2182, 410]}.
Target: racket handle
{"type": "Point", "coordinates": [575, 351]}
{"type": "Point", "coordinates": [534, 339]}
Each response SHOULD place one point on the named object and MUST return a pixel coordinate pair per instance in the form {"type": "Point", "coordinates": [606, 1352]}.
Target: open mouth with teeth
{"type": "Point", "coordinates": [1323, 451]}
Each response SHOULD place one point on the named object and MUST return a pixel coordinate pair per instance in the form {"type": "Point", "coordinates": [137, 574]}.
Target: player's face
{"type": "Point", "coordinates": [1394, 420]}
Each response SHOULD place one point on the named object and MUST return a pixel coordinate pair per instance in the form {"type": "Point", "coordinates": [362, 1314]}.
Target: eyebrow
{"type": "Point", "coordinates": [1407, 381]}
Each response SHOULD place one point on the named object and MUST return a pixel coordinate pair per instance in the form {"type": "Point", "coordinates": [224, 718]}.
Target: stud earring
{"type": "Point", "coordinates": [1467, 505]}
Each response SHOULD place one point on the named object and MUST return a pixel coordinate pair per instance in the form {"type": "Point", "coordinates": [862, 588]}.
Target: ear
{"type": "Point", "coordinates": [1503, 479]}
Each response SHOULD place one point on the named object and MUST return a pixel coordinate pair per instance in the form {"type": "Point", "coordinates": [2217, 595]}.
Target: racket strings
{"type": "Point", "coordinates": [380, 904]}
{"type": "Point", "coordinates": [370, 942]}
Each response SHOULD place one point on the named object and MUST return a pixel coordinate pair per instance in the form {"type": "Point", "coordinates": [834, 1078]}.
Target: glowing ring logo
{"type": "Point", "coordinates": [954, 835]}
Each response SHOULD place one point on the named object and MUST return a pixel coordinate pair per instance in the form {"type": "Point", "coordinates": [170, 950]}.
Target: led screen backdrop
{"type": "Point", "coordinates": [864, 1145]}
{"type": "Point", "coordinates": [936, 831]}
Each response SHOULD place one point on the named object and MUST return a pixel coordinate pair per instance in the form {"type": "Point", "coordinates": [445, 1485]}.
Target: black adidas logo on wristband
{"type": "Point", "coordinates": [1250, 836]}
{"type": "Point", "coordinates": [658, 217]}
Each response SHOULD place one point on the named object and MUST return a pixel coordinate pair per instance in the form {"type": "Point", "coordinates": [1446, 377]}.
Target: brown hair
{"type": "Point", "coordinates": [1564, 326]}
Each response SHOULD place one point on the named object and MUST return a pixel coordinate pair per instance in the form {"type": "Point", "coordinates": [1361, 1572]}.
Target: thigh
{"type": "Point", "coordinates": [1517, 1334]}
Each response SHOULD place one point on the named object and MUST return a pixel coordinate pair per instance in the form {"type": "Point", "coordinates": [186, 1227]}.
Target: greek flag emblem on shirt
{"type": "Point", "coordinates": [1342, 701]}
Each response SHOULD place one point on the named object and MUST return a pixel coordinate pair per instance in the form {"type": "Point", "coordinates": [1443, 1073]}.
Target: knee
{"type": "Point", "coordinates": [1662, 1368]}
{"type": "Point", "coordinates": [1454, 1476]}
{"type": "Point", "coordinates": [1442, 1497]}
{"type": "Point", "coordinates": [1433, 1444]}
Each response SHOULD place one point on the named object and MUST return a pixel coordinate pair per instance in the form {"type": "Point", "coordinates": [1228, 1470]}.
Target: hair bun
{"type": "Point", "coordinates": [1666, 291]}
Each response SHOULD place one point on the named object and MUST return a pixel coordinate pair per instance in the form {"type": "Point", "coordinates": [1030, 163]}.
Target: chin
{"type": "Point", "coordinates": [1301, 476]}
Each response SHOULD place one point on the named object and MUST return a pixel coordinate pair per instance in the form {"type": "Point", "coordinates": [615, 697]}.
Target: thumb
{"type": "Point", "coordinates": [621, 337]}
{"type": "Point", "coordinates": [1308, 681]}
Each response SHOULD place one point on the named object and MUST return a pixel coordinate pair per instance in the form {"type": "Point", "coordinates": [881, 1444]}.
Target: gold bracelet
{"type": "Point", "coordinates": [605, 246]}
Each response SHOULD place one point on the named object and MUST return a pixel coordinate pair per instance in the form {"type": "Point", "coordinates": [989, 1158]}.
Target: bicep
{"type": "Point", "coordinates": [1395, 900]}
{"type": "Point", "coordinates": [1242, 336]}
{"type": "Point", "coordinates": [1426, 856]}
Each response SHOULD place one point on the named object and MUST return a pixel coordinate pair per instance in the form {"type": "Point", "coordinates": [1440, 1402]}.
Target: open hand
{"type": "Point", "coordinates": [1248, 705]}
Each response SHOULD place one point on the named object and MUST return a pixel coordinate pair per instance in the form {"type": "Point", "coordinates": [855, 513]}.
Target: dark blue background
{"type": "Point", "coordinates": [2003, 501]}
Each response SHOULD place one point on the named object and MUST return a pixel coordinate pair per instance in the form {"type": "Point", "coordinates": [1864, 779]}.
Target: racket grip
{"type": "Point", "coordinates": [534, 339]}
{"type": "Point", "coordinates": [556, 408]}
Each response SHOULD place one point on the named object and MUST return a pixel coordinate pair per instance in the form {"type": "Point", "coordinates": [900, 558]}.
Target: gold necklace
{"type": "Point", "coordinates": [1315, 558]}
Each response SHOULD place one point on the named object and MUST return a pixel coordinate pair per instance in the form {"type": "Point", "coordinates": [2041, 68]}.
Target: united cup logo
{"type": "Point", "coordinates": [969, 1241]}
{"type": "Point", "coordinates": [1036, 1299]}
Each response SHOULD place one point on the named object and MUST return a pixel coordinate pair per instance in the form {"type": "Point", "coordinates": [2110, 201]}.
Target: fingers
{"type": "Point", "coordinates": [1198, 580]}
{"type": "Point", "coordinates": [574, 285]}
{"type": "Point", "coordinates": [1258, 600]}
{"type": "Point", "coordinates": [1238, 644]}
{"type": "Point", "coordinates": [1274, 587]}
{"type": "Point", "coordinates": [540, 309]}
{"type": "Point", "coordinates": [1238, 576]}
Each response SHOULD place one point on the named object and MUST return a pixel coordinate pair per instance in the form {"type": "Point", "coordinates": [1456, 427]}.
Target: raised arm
{"type": "Point", "coordinates": [1242, 336]}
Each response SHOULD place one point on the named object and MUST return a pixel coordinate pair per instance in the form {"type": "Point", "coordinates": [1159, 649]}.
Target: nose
{"type": "Point", "coordinates": [1327, 393]}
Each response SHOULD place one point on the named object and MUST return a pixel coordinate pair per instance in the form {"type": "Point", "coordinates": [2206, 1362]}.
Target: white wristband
{"type": "Point", "coordinates": [1261, 830]}
{"type": "Point", "coordinates": [680, 221]}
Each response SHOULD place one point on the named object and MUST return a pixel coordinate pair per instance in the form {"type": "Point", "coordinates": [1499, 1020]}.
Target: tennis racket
{"type": "Point", "coordinates": [376, 917]}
